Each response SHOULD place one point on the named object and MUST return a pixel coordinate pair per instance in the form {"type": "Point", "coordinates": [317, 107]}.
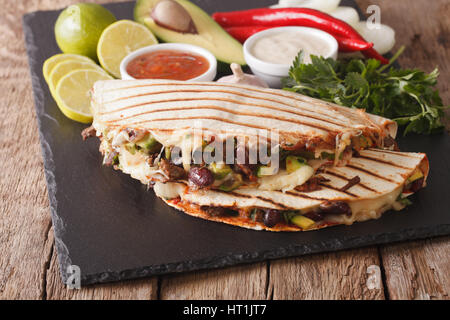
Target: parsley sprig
{"type": "Point", "coordinates": [407, 96]}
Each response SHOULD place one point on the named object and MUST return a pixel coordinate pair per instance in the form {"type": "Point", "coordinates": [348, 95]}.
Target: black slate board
{"type": "Point", "coordinates": [113, 228]}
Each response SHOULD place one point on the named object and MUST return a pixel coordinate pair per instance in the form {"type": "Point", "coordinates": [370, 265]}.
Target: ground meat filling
{"type": "Point", "coordinates": [218, 175]}
{"type": "Point", "coordinates": [312, 184]}
{"type": "Point", "coordinates": [172, 171]}
{"type": "Point", "coordinates": [111, 158]}
{"type": "Point", "coordinates": [390, 143]}
{"type": "Point", "coordinates": [272, 217]}
{"type": "Point", "coordinates": [218, 211]}
{"type": "Point", "coordinates": [88, 133]}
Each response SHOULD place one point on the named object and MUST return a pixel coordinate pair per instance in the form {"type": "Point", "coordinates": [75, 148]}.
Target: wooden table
{"type": "Point", "coordinates": [28, 264]}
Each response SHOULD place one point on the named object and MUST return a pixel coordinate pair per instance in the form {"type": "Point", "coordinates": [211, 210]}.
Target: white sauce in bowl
{"type": "Point", "coordinates": [282, 47]}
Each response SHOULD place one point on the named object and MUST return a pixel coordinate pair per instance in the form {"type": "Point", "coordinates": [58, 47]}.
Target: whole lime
{"type": "Point", "coordinates": [80, 26]}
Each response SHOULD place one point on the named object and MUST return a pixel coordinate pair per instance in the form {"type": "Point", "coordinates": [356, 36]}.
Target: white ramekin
{"type": "Point", "coordinates": [209, 75]}
{"type": "Point", "coordinates": [272, 73]}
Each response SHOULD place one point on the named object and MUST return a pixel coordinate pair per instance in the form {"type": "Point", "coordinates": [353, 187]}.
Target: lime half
{"type": "Point", "coordinates": [120, 39]}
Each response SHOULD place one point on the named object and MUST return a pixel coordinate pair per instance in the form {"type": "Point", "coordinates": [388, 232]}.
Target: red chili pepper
{"type": "Point", "coordinates": [243, 33]}
{"type": "Point", "coordinates": [305, 17]}
{"type": "Point", "coordinates": [352, 45]}
{"type": "Point", "coordinates": [345, 44]}
{"type": "Point", "coordinates": [372, 53]}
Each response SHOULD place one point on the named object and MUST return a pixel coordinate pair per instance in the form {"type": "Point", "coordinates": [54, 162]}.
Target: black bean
{"type": "Point", "coordinates": [218, 211]}
{"type": "Point", "coordinates": [335, 207]}
{"type": "Point", "coordinates": [201, 177]}
{"type": "Point", "coordinates": [314, 216]}
{"type": "Point", "coordinates": [272, 217]}
{"type": "Point", "coordinates": [417, 185]}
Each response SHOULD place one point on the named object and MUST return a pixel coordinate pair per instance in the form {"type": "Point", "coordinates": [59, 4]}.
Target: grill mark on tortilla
{"type": "Point", "coordinates": [341, 123]}
{"type": "Point", "coordinates": [238, 195]}
{"type": "Point", "coordinates": [224, 110]}
{"type": "Point", "coordinates": [332, 173]}
{"type": "Point", "coordinates": [370, 173]}
{"type": "Point", "coordinates": [246, 196]}
{"type": "Point", "coordinates": [273, 202]}
{"type": "Point", "coordinates": [254, 89]}
{"type": "Point", "coordinates": [338, 190]}
{"type": "Point", "coordinates": [201, 129]}
{"type": "Point", "coordinates": [302, 195]}
{"type": "Point", "coordinates": [210, 118]}
{"type": "Point", "coordinates": [401, 154]}
{"type": "Point", "coordinates": [381, 161]}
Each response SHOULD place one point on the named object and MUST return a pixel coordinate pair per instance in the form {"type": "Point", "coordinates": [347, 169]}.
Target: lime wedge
{"type": "Point", "coordinates": [66, 66]}
{"type": "Point", "coordinates": [51, 62]}
{"type": "Point", "coordinates": [118, 40]}
{"type": "Point", "coordinates": [72, 93]}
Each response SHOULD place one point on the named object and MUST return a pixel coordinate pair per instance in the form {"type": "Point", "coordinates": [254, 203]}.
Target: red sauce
{"type": "Point", "coordinates": [167, 64]}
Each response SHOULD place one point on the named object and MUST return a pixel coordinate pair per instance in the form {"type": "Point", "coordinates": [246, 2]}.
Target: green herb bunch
{"type": "Point", "coordinates": [407, 96]}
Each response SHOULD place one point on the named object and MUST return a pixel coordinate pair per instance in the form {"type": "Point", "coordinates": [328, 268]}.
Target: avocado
{"type": "Point", "coordinates": [131, 148]}
{"type": "Point", "coordinates": [210, 35]}
{"type": "Point", "coordinates": [294, 163]}
{"type": "Point", "coordinates": [417, 174]}
{"type": "Point", "coordinates": [302, 221]}
{"type": "Point", "coordinates": [266, 171]}
{"type": "Point", "coordinates": [365, 142]}
{"type": "Point", "coordinates": [231, 184]}
{"type": "Point", "coordinates": [220, 170]}
{"type": "Point", "coordinates": [148, 143]}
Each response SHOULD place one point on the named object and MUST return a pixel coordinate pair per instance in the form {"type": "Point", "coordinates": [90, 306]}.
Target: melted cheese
{"type": "Point", "coordinates": [368, 209]}
{"type": "Point", "coordinates": [168, 190]}
{"type": "Point", "coordinates": [136, 166]}
{"type": "Point", "coordinates": [286, 181]}
{"type": "Point", "coordinates": [362, 210]}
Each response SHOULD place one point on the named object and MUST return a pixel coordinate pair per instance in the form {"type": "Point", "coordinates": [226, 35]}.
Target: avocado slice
{"type": "Point", "coordinates": [294, 163]}
{"type": "Point", "coordinates": [131, 148]}
{"type": "Point", "coordinates": [231, 184]}
{"type": "Point", "coordinates": [167, 153]}
{"type": "Point", "coordinates": [266, 171]}
{"type": "Point", "coordinates": [220, 170]}
{"type": "Point", "coordinates": [210, 35]}
{"type": "Point", "coordinates": [416, 175]}
{"type": "Point", "coordinates": [302, 221]}
{"type": "Point", "coordinates": [148, 143]}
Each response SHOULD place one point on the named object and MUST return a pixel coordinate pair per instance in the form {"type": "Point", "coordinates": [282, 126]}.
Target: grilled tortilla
{"type": "Point", "coordinates": [373, 182]}
{"type": "Point", "coordinates": [142, 122]}
{"type": "Point", "coordinates": [165, 108]}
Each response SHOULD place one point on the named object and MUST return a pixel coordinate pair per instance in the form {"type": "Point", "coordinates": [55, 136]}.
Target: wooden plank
{"type": "Point", "coordinates": [241, 282]}
{"type": "Point", "coordinates": [24, 207]}
{"type": "Point", "coordinates": [26, 244]}
{"type": "Point", "coordinates": [337, 275]}
{"type": "Point", "coordinates": [420, 269]}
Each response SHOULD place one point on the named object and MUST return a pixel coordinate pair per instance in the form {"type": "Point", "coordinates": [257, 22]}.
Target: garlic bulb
{"type": "Point", "coordinates": [239, 77]}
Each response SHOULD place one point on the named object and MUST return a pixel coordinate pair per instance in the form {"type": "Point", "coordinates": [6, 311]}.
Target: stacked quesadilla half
{"type": "Point", "coordinates": [254, 157]}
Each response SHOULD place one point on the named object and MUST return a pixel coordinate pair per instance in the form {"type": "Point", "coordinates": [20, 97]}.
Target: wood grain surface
{"type": "Point", "coordinates": [28, 262]}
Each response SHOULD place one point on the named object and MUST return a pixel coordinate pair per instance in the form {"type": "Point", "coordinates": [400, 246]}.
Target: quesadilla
{"type": "Point", "coordinates": [149, 129]}
{"type": "Point", "coordinates": [373, 182]}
